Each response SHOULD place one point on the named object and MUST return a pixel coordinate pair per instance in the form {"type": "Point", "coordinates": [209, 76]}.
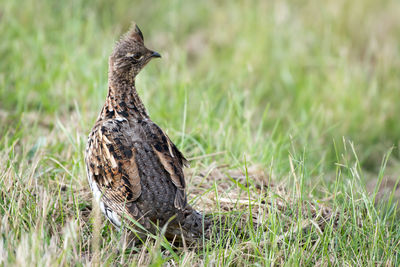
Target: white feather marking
{"type": "Point", "coordinates": [106, 139]}
{"type": "Point", "coordinates": [110, 214]}
{"type": "Point", "coordinates": [120, 119]}
{"type": "Point", "coordinates": [170, 150]}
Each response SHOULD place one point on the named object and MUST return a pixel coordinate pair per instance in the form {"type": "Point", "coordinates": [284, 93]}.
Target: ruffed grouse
{"type": "Point", "coordinates": [134, 169]}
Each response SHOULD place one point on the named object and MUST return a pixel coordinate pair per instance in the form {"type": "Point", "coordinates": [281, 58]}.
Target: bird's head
{"type": "Point", "coordinates": [130, 55]}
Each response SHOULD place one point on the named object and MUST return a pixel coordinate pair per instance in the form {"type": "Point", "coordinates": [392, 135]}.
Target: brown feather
{"type": "Point", "coordinates": [134, 169]}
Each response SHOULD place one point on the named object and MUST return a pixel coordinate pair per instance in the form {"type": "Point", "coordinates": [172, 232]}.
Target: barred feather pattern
{"type": "Point", "coordinates": [134, 169]}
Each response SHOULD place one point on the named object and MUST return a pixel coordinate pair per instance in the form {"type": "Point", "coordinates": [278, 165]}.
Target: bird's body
{"type": "Point", "coordinates": [134, 170]}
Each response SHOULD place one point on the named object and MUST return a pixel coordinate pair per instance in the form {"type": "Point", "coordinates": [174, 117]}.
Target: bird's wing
{"type": "Point", "coordinates": [112, 165]}
{"type": "Point", "coordinates": [170, 158]}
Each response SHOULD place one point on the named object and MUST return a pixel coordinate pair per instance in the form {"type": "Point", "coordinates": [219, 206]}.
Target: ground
{"type": "Point", "coordinates": [287, 110]}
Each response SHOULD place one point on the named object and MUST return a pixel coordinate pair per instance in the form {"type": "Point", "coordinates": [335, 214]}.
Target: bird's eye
{"type": "Point", "coordinates": [137, 56]}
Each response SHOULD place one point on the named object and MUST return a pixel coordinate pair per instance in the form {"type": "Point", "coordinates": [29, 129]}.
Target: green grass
{"type": "Point", "coordinates": [307, 91]}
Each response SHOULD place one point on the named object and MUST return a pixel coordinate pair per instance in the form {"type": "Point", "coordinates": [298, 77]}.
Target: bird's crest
{"type": "Point", "coordinates": [135, 33]}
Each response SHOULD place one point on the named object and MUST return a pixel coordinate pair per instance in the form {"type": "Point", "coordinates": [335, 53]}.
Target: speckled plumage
{"type": "Point", "coordinates": [133, 167]}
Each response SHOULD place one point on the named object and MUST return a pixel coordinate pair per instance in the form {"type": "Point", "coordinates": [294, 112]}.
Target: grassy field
{"type": "Point", "coordinates": [287, 110]}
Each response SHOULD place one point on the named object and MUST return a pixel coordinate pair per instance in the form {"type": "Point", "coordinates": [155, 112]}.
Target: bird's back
{"type": "Point", "coordinates": [137, 170]}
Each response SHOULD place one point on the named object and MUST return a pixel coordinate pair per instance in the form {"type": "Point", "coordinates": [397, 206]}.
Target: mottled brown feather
{"type": "Point", "coordinates": [133, 166]}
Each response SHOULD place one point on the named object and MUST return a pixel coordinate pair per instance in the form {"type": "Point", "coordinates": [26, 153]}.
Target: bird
{"type": "Point", "coordinates": [134, 170]}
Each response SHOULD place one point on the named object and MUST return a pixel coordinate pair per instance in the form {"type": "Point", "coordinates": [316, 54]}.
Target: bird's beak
{"type": "Point", "coordinates": [155, 54]}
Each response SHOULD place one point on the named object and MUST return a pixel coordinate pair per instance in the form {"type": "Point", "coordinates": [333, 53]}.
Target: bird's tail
{"type": "Point", "coordinates": [192, 225]}
{"type": "Point", "coordinates": [196, 226]}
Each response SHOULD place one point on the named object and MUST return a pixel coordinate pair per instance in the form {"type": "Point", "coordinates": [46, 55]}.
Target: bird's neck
{"type": "Point", "coordinates": [123, 100]}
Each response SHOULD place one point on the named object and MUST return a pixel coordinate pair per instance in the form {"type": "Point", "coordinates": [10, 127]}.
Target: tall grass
{"type": "Point", "coordinates": [305, 90]}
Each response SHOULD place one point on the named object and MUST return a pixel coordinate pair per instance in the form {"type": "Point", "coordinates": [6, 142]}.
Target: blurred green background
{"type": "Point", "coordinates": [257, 80]}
